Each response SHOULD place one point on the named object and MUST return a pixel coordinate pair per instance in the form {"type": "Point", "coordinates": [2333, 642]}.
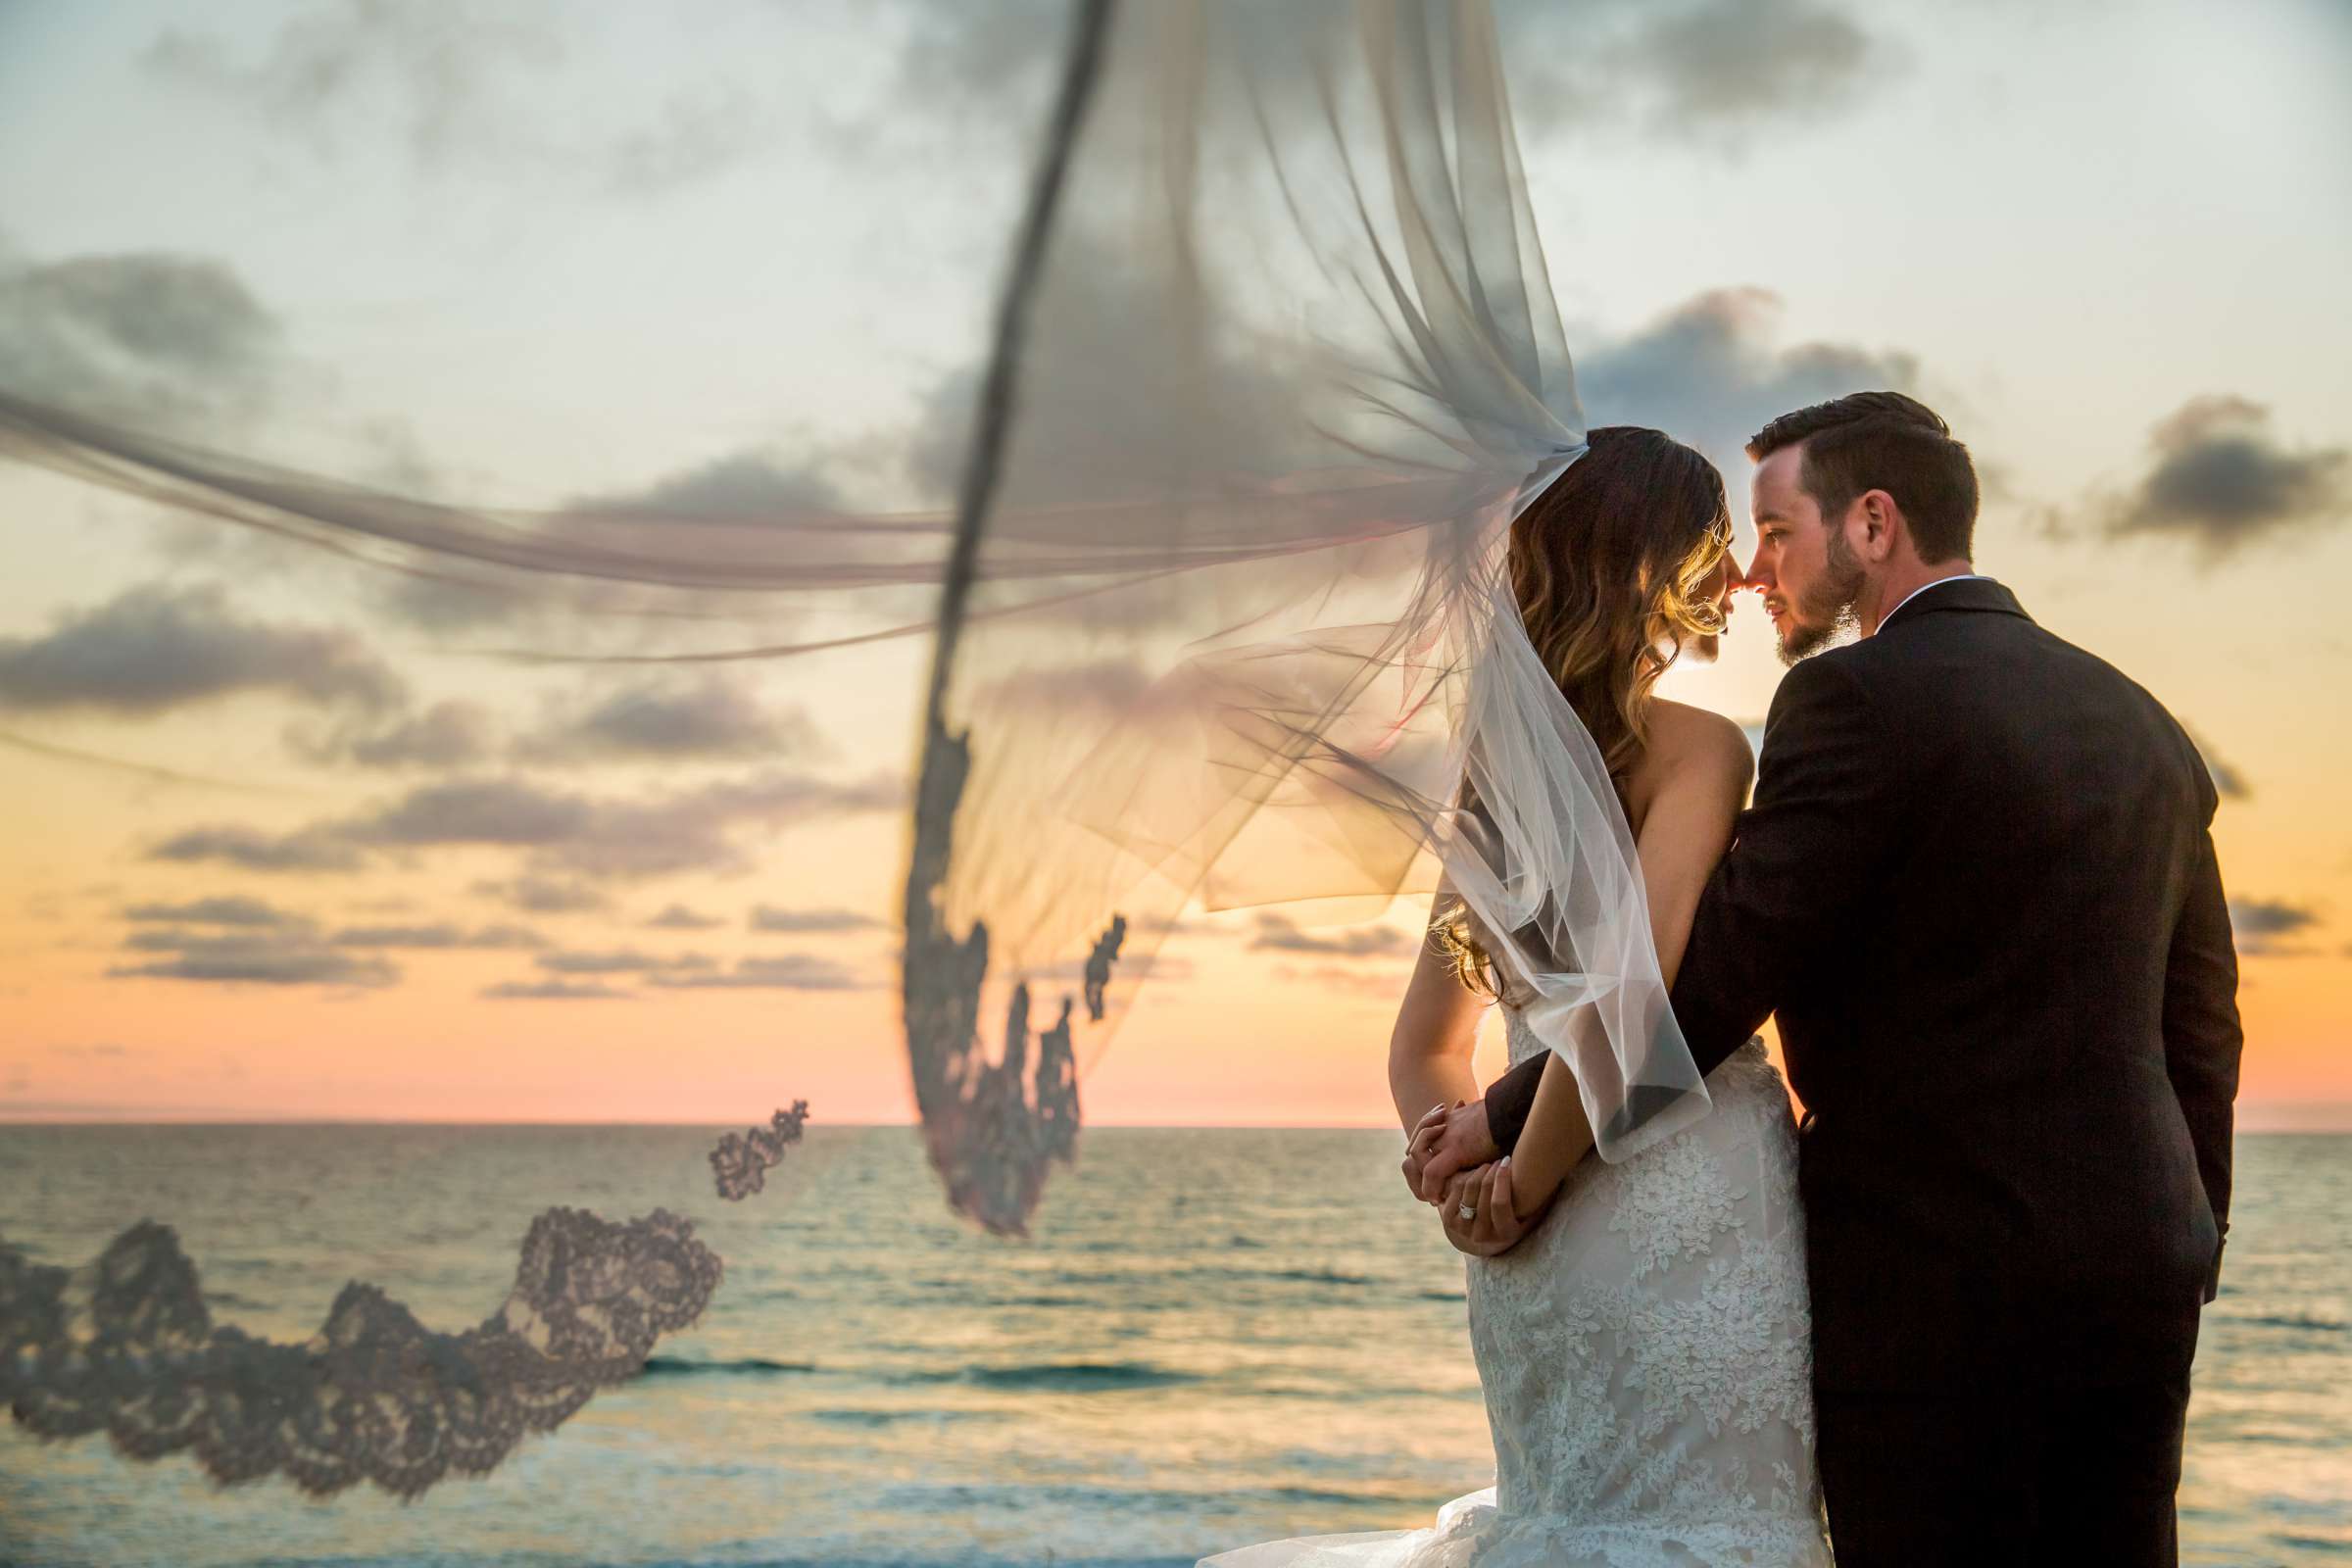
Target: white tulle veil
{"type": "Point", "coordinates": [1224, 612]}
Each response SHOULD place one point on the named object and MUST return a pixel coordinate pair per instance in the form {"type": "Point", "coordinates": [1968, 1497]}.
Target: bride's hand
{"type": "Point", "coordinates": [1421, 1143]}
{"type": "Point", "coordinates": [1449, 1141]}
{"type": "Point", "coordinates": [1495, 1226]}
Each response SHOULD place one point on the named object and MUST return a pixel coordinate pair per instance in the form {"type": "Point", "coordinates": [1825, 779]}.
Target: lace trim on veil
{"type": "Point", "coordinates": [126, 1344]}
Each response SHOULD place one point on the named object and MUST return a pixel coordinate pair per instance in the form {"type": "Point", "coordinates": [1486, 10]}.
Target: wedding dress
{"type": "Point", "coordinates": [1646, 1363]}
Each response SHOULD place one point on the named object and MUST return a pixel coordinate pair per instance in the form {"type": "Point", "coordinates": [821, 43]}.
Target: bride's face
{"type": "Point", "coordinates": [1715, 588]}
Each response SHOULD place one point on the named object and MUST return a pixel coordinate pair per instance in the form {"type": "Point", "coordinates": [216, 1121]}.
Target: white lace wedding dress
{"type": "Point", "coordinates": [1646, 1363]}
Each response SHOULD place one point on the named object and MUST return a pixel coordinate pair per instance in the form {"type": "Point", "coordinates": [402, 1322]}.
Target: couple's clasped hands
{"type": "Point", "coordinates": [1450, 1160]}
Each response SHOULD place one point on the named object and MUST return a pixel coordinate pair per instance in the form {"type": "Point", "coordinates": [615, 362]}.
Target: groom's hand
{"type": "Point", "coordinates": [1495, 1226]}
{"type": "Point", "coordinates": [1447, 1141]}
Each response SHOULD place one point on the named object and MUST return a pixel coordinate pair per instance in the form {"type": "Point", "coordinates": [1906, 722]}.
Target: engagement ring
{"type": "Point", "coordinates": [1466, 1213]}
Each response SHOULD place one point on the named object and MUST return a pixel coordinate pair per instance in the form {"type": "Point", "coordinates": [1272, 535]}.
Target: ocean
{"type": "Point", "coordinates": [1214, 1337]}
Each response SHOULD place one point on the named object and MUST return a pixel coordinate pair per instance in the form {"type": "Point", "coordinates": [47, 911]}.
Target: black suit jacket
{"type": "Point", "coordinates": [1978, 887]}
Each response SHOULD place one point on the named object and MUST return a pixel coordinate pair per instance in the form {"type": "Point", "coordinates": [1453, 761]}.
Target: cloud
{"type": "Point", "coordinates": [2267, 927]}
{"type": "Point", "coordinates": [252, 850]}
{"type": "Point", "coordinates": [1709, 372]}
{"type": "Point", "coordinates": [712, 714]}
{"type": "Point", "coordinates": [234, 910]}
{"type": "Point", "coordinates": [792, 971]}
{"type": "Point", "coordinates": [439, 935]}
{"type": "Point", "coordinates": [272, 956]}
{"type": "Point", "coordinates": [678, 917]}
{"type": "Point", "coordinates": [1702, 71]}
{"type": "Point", "coordinates": [451, 733]}
{"type": "Point", "coordinates": [1280, 933]}
{"type": "Point", "coordinates": [2221, 479]}
{"type": "Point", "coordinates": [158, 337]}
{"type": "Point", "coordinates": [740, 484]}
{"type": "Point", "coordinates": [509, 811]}
{"type": "Point", "coordinates": [155, 648]}
{"type": "Point", "coordinates": [779, 506]}
{"type": "Point", "coordinates": [625, 961]}
{"type": "Point", "coordinates": [442, 605]}
{"type": "Point", "coordinates": [553, 991]}
{"type": "Point", "coordinates": [1171, 925]}
{"type": "Point", "coordinates": [768, 917]}
{"type": "Point", "coordinates": [539, 895]}
{"type": "Point", "coordinates": [467, 86]}
{"type": "Point", "coordinates": [687, 830]}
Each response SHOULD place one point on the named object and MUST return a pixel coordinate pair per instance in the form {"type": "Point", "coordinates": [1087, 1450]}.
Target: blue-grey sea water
{"type": "Point", "coordinates": [1213, 1337]}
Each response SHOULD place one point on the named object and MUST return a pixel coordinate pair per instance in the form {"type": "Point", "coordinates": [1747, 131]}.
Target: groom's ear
{"type": "Point", "coordinates": [1875, 524]}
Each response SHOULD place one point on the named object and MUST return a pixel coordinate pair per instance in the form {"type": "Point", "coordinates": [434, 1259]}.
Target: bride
{"type": "Point", "coordinates": [1644, 1349]}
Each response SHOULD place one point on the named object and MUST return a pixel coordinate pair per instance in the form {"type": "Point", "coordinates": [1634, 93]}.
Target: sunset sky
{"type": "Point", "coordinates": [283, 843]}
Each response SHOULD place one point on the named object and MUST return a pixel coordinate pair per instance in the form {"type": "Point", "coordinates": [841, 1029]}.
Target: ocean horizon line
{"type": "Point", "coordinates": [162, 1119]}
{"type": "Point", "coordinates": [2323, 1118]}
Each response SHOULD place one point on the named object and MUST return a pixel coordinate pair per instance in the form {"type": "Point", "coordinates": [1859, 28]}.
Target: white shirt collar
{"type": "Point", "coordinates": [1966, 577]}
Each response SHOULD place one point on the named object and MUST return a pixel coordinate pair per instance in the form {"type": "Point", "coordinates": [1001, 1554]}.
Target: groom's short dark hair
{"type": "Point", "coordinates": [1883, 441]}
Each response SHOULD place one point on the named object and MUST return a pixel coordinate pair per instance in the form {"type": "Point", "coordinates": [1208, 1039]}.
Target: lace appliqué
{"type": "Point", "coordinates": [742, 1161]}
{"type": "Point", "coordinates": [1677, 1207]}
{"type": "Point", "coordinates": [126, 1344]}
{"type": "Point", "coordinates": [991, 1129]}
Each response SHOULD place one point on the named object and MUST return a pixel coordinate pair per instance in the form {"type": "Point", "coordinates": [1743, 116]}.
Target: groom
{"type": "Point", "coordinates": [1977, 888]}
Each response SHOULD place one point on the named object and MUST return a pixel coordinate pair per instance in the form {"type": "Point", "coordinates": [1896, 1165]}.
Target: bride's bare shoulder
{"type": "Point", "coordinates": [1684, 736]}
{"type": "Point", "coordinates": [1692, 743]}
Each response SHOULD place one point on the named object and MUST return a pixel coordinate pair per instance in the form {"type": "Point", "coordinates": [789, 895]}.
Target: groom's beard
{"type": "Point", "coordinates": [1825, 613]}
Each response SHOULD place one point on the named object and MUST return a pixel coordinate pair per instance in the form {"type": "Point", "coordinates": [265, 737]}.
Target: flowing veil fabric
{"type": "Point", "coordinates": [1224, 612]}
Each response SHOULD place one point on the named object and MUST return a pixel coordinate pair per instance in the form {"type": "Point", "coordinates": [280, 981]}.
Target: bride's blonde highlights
{"type": "Point", "coordinates": [1608, 566]}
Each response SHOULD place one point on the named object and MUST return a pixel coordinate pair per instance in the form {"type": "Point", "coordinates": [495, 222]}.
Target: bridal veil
{"type": "Point", "coordinates": [1222, 614]}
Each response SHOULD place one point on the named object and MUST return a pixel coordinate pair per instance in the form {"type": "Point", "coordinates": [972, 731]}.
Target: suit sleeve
{"type": "Point", "coordinates": [2202, 1035]}
{"type": "Point", "coordinates": [1802, 857]}
{"type": "Point", "coordinates": [1510, 1098]}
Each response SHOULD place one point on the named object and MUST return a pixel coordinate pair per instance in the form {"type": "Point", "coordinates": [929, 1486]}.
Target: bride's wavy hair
{"type": "Point", "coordinates": [1607, 565]}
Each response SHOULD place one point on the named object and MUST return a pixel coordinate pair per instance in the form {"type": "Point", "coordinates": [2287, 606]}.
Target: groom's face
{"type": "Point", "coordinates": [1808, 576]}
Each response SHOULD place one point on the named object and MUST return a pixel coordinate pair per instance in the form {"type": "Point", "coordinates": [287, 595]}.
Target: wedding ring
{"type": "Point", "coordinates": [1465, 1211]}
